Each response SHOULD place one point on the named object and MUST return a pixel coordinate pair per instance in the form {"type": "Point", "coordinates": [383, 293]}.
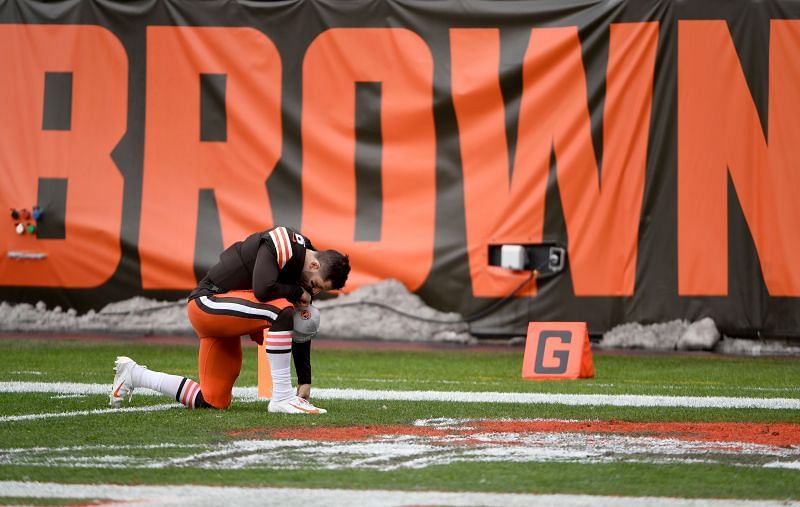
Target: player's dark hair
{"type": "Point", "coordinates": [334, 266]}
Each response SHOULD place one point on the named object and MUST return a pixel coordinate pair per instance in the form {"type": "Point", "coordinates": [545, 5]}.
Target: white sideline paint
{"type": "Point", "coordinates": [617, 400]}
{"type": "Point", "coordinates": [232, 496]}
{"type": "Point", "coordinates": [30, 417]}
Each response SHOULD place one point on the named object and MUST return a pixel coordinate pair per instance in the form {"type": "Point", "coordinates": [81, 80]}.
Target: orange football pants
{"type": "Point", "coordinates": [220, 321]}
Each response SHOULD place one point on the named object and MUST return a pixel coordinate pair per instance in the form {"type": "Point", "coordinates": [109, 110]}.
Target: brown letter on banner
{"type": "Point", "coordinates": [86, 69]}
{"type": "Point", "coordinates": [719, 133]}
{"type": "Point", "coordinates": [401, 61]}
{"type": "Point", "coordinates": [182, 156]}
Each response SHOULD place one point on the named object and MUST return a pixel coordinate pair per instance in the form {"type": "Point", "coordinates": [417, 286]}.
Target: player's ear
{"type": "Point", "coordinates": [314, 264]}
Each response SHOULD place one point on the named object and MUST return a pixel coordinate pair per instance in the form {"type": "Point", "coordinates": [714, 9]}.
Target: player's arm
{"type": "Point", "coordinates": [301, 354]}
{"type": "Point", "coordinates": [265, 279]}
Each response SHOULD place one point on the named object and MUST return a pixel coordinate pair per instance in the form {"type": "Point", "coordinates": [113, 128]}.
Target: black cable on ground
{"type": "Point", "coordinates": [391, 309]}
{"type": "Point", "coordinates": [497, 304]}
{"type": "Point", "coordinates": [472, 318]}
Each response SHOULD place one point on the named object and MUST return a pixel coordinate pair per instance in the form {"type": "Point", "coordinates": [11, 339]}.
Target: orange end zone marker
{"type": "Point", "coordinates": [264, 373]}
{"type": "Point", "coordinates": [557, 350]}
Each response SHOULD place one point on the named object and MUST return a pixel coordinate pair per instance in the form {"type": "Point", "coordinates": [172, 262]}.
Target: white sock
{"type": "Point", "coordinates": [182, 389]}
{"type": "Point", "coordinates": [279, 353]}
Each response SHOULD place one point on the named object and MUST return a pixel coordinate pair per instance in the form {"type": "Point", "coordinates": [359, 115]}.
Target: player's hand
{"type": "Point", "coordinates": [304, 300]}
{"type": "Point", "coordinates": [258, 337]}
{"type": "Point", "coordinates": [304, 391]}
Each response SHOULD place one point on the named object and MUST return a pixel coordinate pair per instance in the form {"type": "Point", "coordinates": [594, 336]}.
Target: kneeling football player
{"type": "Point", "coordinates": [255, 286]}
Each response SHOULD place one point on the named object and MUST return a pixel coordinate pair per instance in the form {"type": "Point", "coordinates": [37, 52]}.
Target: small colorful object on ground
{"type": "Point", "coordinates": [557, 350]}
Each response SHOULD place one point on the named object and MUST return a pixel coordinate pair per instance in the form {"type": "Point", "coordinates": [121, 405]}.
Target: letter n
{"type": "Point", "coordinates": [719, 133]}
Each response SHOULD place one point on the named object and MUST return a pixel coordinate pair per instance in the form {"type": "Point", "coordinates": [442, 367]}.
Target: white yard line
{"type": "Point", "coordinates": [49, 415]}
{"type": "Point", "coordinates": [233, 496]}
{"type": "Point", "coordinates": [600, 385]}
{"type": "Point", "coordinates": [631, 400]}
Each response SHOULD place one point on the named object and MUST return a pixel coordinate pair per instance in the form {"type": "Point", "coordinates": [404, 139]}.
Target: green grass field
{"type": "Point", "coordinates": [416, 445]}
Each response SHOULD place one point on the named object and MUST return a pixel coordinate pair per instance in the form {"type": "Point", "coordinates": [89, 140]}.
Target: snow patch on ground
{"type": "Point", "coordinates": [388, 311]}
{"type": "Point", "coordinates": [684, 335]}
{"type": "Point", "coordinates": [382, 311]}
{"type": "Point", "coordinates": [661, 336]}
{"type": "Point", "coordinates": [134, 316]}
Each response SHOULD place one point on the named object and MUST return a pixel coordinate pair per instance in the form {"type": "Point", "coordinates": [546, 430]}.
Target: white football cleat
{"type": "Point", "coordinates": [123, 384]}
{"type": "Point", "coordinates": [294, 405]}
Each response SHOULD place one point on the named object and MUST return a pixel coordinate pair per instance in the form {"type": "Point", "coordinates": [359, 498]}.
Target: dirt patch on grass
{"type": "Point", "coordinates": [774, 434]}
{"type": "Point", "coordinates": [443, 441]}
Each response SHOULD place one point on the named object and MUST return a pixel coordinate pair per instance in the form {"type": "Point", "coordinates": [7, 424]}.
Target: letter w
{"type": "Point", "coordinates": [601, 212]}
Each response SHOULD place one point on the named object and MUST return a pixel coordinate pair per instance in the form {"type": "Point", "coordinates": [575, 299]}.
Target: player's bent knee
{"type": "Point", "coordinates": [284, 321]}
{"type": "Point", "coordinates": [200, 402]}
{"type": "Point", "coordinates": [211, 399]}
